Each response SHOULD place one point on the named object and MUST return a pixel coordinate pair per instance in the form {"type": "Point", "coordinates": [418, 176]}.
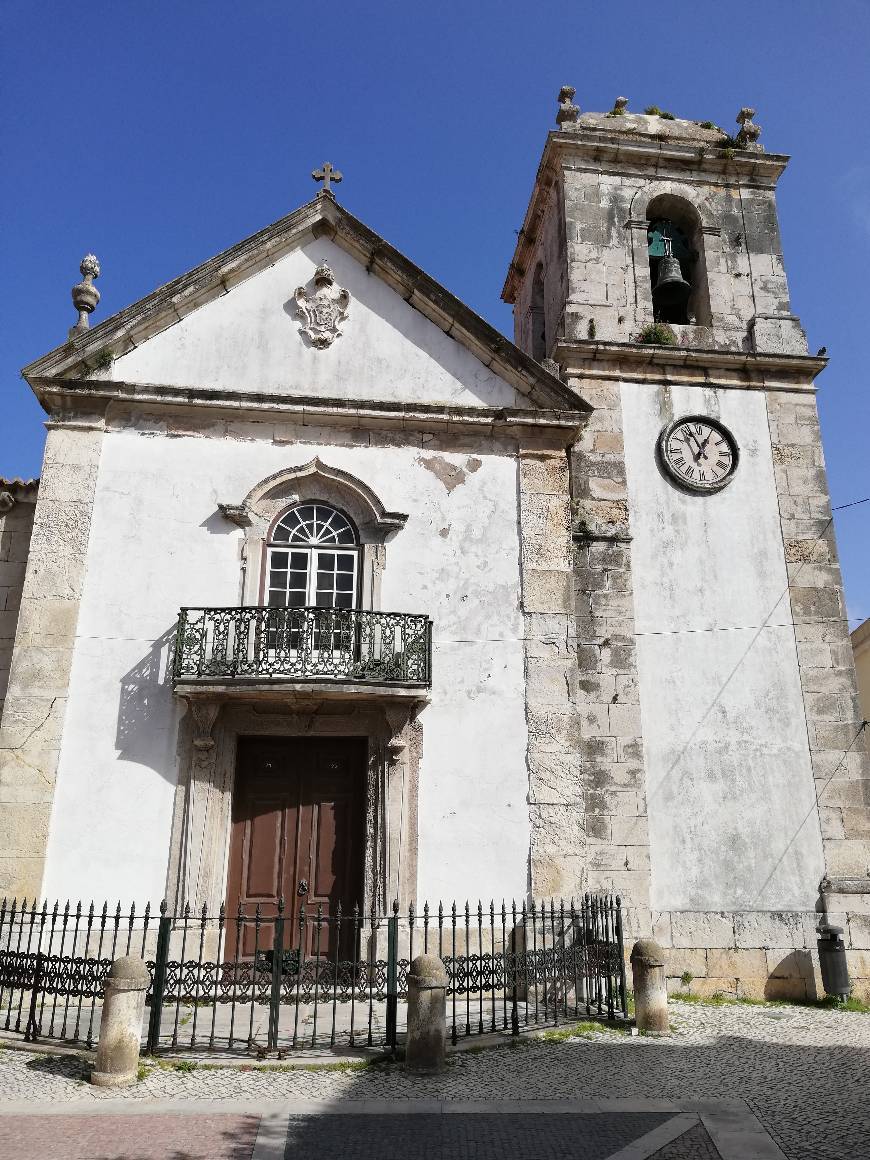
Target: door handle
{"type": "Point", "coordinates": [302, 888]}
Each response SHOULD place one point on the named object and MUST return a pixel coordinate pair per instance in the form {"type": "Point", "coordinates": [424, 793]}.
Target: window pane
{"type": "Point", "coordinates": [344, 582]}
{"type": "Point", "coordinates": [277, 579]}
{"type": "Point", "coordinates": [295, 599]}
{"type": "Point", "coordinates": [314, 524]}
{"type": "Point", "coordinates": [299, 560]}
{"type": "Point", "coordinates": [346, 562]}
{"type": "Point", "coordinates": [344, 600]}
{"type": "Point", "coordinates": [299, 580]}
{"type": "Point", "coordinates": [277, 599]}
{"type": "Point", "coordinates": [278, 559]}
{"type": "Point", "coordinates": [326, 560]}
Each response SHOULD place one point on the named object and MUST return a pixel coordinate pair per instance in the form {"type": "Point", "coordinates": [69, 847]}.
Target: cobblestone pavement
{"type": "Point", "coordinates": [802, 1071]}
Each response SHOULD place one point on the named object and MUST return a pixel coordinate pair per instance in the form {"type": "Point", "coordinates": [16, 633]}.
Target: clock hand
{"type": "Point", "coordinates": [697, 444]}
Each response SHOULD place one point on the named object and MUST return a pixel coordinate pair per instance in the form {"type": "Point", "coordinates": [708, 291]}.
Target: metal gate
{"type": "Point", "coordinates": [509, 968]}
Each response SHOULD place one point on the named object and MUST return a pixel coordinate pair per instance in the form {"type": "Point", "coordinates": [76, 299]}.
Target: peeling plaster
{"type": "Point", "coordinates": [450, 474]}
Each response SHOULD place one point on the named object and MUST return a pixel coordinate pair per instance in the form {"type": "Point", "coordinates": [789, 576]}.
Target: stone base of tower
{"type": "Point", "coordinates": [759, 954]}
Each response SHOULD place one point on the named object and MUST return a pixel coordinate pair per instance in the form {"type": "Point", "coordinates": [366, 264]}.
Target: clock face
{"type": "Point", "coordinates": [699, 453]}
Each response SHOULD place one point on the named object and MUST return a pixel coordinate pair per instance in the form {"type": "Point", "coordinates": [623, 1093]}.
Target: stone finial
{"type": "Point", "coordinates": [620, 105]}
{"type": "Point", "coordinates": [568, 112]}
{"type": "Point", "coordinates": [327, 174]}
{"type": "Point", "coordinates": [749, 133]}
{"type": "Point", "coordinates": [85, 295]}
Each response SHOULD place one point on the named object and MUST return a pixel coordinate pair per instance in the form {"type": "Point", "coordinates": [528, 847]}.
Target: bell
{"type": "Point", "coordinates": [671, 288]}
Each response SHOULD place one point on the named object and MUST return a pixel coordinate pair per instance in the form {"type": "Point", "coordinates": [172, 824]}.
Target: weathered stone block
{"type": "Point", "coordinates": [624, 720]}
{"type": "Point", "coordinates": [562, 876]}
{"type": "Point", "coordinates": [595, 720]}
{"type": "Point", "coordinates": [547, 590]}
{"type": "Point", "coordinates": [847, 858]}
{"type": "Point", "coordinates": [702, 929]}
{"type": "Point", "coordinates": [550, 683]}
{"type": "Point", "coordinates": [787, 963]}
{"type": "Point", "coordinates": [816, 602]}
{"type": "Point", "coordinates": [557, 829]}
{"type": "Point", "coordinates": [769, 928]}
{"type": "Point", "coordinates": [544, 476]}
{"type": "Point", "coordinates": [736, 963]}
{"type": "Point", "coordinates": [859, 931]}
{"type": "Point", "coordinates": [682, 959]}
{"type": "Point", "coordinates": [855, 823]}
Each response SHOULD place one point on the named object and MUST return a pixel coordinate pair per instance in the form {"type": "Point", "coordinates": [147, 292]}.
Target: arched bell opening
{"type": "Point", "coordinates": [678, 276]}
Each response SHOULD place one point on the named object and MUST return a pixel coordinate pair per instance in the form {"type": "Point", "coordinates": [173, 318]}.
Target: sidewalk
{"type": "Point", "coordinates": [800, 1072]}
{"type": "Point", "coordinates": [391, 1130]}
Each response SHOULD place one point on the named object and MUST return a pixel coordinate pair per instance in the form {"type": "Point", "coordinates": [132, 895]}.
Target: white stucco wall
{"type": "Point", "coordinates": [731, 798]}
{"type": "Point", "coordinates": [248, 340]}
{"type": "Point", "coordinates": [157, 544]}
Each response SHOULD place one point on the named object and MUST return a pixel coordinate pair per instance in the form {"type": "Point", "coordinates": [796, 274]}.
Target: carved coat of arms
{"type": "Point", "coordinates": [322, 310]}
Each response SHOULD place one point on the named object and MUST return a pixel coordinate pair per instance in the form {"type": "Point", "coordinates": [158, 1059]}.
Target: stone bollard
{"type": "Point", "coordinates": [427, 1015]}
{"type": "Point", "coordinates": [650, 988]}
{"type": "Point", "coordinates": [121, 1023]}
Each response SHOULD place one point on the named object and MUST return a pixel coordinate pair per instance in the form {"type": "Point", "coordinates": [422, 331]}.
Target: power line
{"type": "Point", "coordinates": [854, 503]}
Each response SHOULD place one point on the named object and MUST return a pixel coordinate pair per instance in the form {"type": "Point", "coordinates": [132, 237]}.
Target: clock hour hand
{"type": "Point", "coordinates": [700, 451]}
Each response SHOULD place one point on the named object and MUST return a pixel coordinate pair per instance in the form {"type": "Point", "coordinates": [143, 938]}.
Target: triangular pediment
{"type": "Point", "coordinates": [235, 325]}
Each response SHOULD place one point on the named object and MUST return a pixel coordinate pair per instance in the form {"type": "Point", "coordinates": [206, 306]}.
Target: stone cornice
{"type": "Point", "coordinates": [658, 364]}
{"type": "Point", "coordinates": [668, 159]}
{"type": "Point", "coordinates": [69, 400]}
{"type": "Point", "coordinates": [321, 217]}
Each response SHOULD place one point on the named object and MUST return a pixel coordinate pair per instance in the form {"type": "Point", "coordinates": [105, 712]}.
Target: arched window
{"type": "Point", "coordinates": [538, 319]}
{"type": "Point", "coordinates": [313, 559]}
{"type": "Point", "coordinates": [674, 225]}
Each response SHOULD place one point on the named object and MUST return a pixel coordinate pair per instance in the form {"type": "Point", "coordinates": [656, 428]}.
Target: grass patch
{"type": "Point", "coordinates": [189, 1065]}
{"type": "Point", "coordinates": [720, 999]}
{"type": "Point", "coordinates": [830, 1003]}
{"type": "Point", "coordinates": [583, 1030]}
{"type": "Point", "coordinates": [657, 334]}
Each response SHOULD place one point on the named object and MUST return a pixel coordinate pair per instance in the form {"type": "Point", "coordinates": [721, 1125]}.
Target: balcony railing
{"type": "Point", "coordinates": [302, 644]}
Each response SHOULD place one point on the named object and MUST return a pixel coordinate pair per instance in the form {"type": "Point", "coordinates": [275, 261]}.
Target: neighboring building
{"type": "Point", "coordinates": [459, 617]}
{"type": "Point", "coordinates": [17, 505]}
{"type": "Point", "coordinates": [861, 649]}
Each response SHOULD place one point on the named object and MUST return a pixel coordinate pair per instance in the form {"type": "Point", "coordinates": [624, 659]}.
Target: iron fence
{"type": "Point", "coordinates": [302, 644]}
{"type": "Point", "coordinates": [275, 982]}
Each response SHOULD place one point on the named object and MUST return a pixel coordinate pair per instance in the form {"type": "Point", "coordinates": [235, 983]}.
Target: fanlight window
{"type": "Point", "coordinates": [313, 559]}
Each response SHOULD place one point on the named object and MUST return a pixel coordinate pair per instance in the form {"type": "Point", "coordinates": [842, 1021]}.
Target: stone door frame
{"type": "Point", "coordinates": [202, 815]}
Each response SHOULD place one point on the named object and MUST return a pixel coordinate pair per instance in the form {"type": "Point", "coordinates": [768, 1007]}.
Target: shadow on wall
{"type": "Point", "coordinates": [147, 713]}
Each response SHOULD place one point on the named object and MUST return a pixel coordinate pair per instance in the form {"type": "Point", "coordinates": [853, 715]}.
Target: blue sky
{"type": "Point", "coordinates": [156, 134]}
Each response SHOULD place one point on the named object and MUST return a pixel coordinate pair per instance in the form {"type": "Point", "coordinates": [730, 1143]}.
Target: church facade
{"type": "Point", "coordinates": [332, 592]}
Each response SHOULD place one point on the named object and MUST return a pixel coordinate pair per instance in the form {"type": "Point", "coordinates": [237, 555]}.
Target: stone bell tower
{"type": "Point", "coordinates": [724, 768]}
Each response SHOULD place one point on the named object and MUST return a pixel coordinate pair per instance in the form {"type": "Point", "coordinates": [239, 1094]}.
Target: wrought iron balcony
{"type": "Point", "coordinates": [302, 644]}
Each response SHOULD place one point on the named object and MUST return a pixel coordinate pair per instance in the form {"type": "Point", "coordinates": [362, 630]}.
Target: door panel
{"type": "Point", "coordinates": [298, 826]}
{"type": "Point", "coordinates": [263, 844]}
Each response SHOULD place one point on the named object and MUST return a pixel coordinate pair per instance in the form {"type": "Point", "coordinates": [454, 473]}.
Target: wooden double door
{"type": "Point", "coordinates": [297, 834]}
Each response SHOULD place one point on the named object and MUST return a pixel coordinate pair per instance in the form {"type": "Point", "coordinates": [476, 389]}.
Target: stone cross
{"type": "Point", "coordinates": [327, 175]}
